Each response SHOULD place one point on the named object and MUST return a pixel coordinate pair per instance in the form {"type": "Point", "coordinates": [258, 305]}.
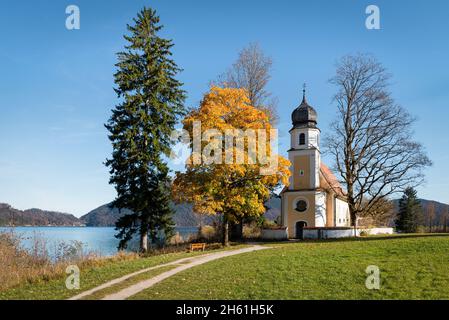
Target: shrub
{"type": "Point", "coordinates": [252, 231]}
{"type": "Point", "coordinates": [208, 233]}
{"type": "Point", "coordinates": [268, 224]}
{"type": "Point", "coordinates": [35, 265]}
{"type": "Point", "coordinates": [176, 239]}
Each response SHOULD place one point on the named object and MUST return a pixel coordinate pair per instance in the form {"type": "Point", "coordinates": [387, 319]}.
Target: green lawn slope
{"type": "Point", "coordinates": [412, 267]}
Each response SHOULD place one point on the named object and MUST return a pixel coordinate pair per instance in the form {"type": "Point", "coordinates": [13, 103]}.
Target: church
{"type": "Point", "coordinates": [314, 198]}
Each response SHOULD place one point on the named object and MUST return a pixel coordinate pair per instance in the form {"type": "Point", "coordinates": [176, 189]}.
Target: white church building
{"type": "Point", "coordinates": [314, 198]}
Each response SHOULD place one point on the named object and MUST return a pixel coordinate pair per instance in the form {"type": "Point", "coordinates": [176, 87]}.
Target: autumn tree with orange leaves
{"type": "Point", "coordinates": [235, 184]}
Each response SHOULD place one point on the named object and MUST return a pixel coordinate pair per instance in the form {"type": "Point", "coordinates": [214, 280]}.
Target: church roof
{"type": "Point", "coordinates": [329, 181]}
{"type": "Point", "coordinates": [304, 115]}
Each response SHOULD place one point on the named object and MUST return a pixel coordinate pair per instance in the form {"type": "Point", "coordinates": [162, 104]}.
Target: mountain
{"type": "Point", "coordinates": [273, 208]}
{"type": "Point", "coordinates": [105, 216]}
{"type": "Point", "coordinates": [10, 216]}
{"type": "Point", "coordinates": [432, 210]}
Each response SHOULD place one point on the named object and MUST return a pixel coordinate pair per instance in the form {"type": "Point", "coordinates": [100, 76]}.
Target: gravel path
{"type": "Point", "coordinates": [125, 277]}
{"type": "Point", "coordinates": [185, 263]}
{"type": "Point", "coordinates": [195, 261]}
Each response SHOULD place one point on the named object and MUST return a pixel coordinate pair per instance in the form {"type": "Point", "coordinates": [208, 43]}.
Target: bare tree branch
{"type": "Point", "coordinates": [371, 138]}
{"type": "Point", "coordinates": [251, 71]}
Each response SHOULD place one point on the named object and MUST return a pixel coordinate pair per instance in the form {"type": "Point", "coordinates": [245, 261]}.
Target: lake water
{"type": "Point", "coordinates": [94, 239]}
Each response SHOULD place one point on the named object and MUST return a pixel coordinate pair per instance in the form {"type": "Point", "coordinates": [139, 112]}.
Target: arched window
{"type": "Point", "coordinates": [302, 139]}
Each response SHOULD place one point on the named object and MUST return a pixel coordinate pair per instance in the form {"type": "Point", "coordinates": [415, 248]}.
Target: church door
{"type": "Point", "coordinates": [300, 225]}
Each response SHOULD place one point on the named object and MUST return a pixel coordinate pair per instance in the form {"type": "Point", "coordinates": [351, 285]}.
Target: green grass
{"type": "Point", "coordinates": [55, 289]}
{"type": "Point", "coordinates": [412, 267]}
{"type": "Point", "coordinates": [128, 282]}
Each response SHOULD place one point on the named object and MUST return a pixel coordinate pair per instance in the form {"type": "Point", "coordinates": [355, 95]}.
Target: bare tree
{"type": "Point", "coordinates": [430, 215]}
{"type": "Point", "coordinates": [371, 139]}
{"type": "Point", "coordinates": [251, 71]}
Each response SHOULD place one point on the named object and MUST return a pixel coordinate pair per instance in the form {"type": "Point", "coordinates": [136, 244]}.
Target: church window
{"type": "Point", "coordinates": [302, 139]}
{"type": "Point", "coordinates": [301, 206]}
{"type": "Point", "coordinates": [301, 172]}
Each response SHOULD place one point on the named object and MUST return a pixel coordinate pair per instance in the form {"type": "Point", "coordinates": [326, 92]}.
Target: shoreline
{"type": "Point", "coordinates": [69, 226]}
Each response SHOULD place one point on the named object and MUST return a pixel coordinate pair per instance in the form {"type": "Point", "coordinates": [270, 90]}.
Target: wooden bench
{"type": "Point", "coordinates": [197, 246]}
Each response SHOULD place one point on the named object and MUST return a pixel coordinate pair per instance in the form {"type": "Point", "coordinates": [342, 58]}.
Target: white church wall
{"type": "Point", "coordinates": [312, 138]}
{"type": "Point", "coordinates": [317, 233]}
{"type": "Point", "coordinates": [320, 209]}
{"type": "Point", "coordinates": [374, 231]}
{"type": "Point", "coordinates": [335, 233]}
{"type": "Point", "coordinates": [342, 217]}
{"type": "Point", "coordinates": [344, 232]}
{"type": "Point", "coordinates": [274, 234]}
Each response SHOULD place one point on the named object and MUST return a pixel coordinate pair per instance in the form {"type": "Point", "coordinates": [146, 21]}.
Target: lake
{"type": "Point", "coordinates": [94, 239]}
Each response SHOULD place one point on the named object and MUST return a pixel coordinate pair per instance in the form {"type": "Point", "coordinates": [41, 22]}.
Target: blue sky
{"type": "Point", "coordinates": [56, 85]}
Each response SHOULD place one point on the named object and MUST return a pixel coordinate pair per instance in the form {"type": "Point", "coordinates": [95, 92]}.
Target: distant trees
{"type": "Point", "coordinates": [371, 137]}
{"type": "Point", "coordinates": [409, 212]}
{"type": "Point", "coordinates": [445, 216]}
{"type": "Point", "coordinates": [430, 216]}
{"type": "Point", "coordinates": [151, 100]}
{"type": "Point", "coordinates": [252, 72]}
{"type": "Point", "coordinates": [380, 215]}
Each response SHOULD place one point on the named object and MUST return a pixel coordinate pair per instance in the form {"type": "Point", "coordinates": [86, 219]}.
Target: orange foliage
{"type": "Point", "coordinates": [236, 189]}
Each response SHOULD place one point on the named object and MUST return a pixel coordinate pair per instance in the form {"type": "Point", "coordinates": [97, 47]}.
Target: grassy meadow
{"type": "Point", "coordinates": [34, 276]}
{"type": "Point", "coordinates": [411, 267]}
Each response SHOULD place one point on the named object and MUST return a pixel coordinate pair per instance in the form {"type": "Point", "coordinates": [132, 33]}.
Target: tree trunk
{"type": "Point", "coordinates": [352, 214]}
{"type": "Point", "coordinates": [143, 241]}
{"type": "Point", "coordinates": [236, 230]}
{"type": "Point", "coordinates": [354, 223]}
{"type": "Point", "coordinates": [225, 231]}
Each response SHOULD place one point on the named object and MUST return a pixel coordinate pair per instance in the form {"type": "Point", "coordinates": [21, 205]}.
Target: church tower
{"type": "Point", "coordinates": [304, 151]}
{"type": "Point", "coordinates": [304, 202]}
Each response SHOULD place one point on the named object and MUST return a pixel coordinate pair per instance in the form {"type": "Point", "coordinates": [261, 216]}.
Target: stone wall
{"type": "Point", "coordinates": [334, 233]}
{"type": "Point", "coordinates": [274, 234]}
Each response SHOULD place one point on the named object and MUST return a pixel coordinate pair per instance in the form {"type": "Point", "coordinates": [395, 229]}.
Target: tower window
{"type": "Point", "coordinates": [302, 139]}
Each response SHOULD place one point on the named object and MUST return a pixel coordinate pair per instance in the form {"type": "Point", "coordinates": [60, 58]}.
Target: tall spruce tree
{"type": "Point", "coordinates": [151, 101]}
{"type": "Point", "coordinates": [409, 209]}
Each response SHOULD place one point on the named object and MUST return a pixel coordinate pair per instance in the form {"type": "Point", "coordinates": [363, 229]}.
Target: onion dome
{"type": "Point", "coordinates": [304, 115]}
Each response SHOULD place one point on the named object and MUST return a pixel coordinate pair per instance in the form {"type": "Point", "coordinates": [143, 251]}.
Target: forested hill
{"type": "Point", "coordinates": [432, 211]}
{"type": "Point", "coordinates": [105, 216]}
{"type": "Point", "coordinates": [10, 216]}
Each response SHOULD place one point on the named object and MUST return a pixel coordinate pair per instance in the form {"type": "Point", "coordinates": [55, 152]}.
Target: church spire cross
{"type": "Point", "coordinates": [304, 92]}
